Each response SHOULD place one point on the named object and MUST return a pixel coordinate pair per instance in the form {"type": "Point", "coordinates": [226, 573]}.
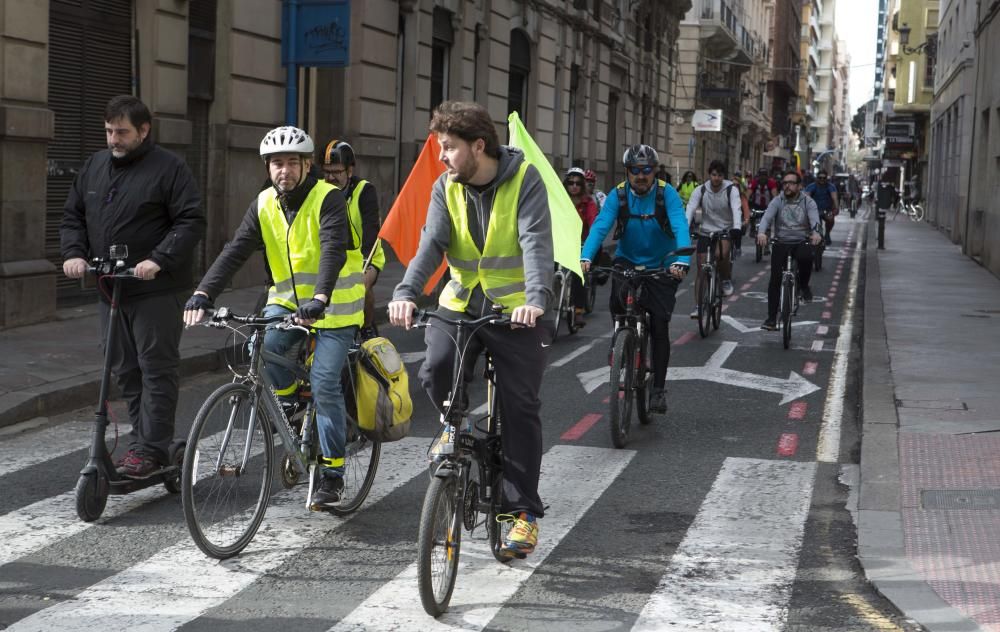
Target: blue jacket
{"type": "Point", "coordinates": [643, 243]}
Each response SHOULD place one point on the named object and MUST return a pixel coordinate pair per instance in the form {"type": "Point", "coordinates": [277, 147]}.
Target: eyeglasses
{"type": "Point", "coordinates": [648, 169]}
{"type": "Point", "coordinates": [789, 182]}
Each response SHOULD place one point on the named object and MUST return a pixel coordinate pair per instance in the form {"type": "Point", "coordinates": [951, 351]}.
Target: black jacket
{"type": "Point", "coordinates": [148, 201]}
{"type": "Point", "coordinates": [334, 235]}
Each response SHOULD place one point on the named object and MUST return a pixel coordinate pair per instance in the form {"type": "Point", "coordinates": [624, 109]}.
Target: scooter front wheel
{"type": "Point", "coordinates": [91, 495]}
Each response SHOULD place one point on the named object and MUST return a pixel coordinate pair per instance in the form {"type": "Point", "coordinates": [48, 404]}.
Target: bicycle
{"type": "Point", "coordinates": [710, 287]}
{"type": "Point", "coordinates": [464, 483]}
{"type": "Point", "coordinates": [590, 286]}
{"type": "Point", "coordinates": [99, 478]}
{"type": "Point", "coordinates": [788, 298]}
{"type": "Point", "coordinates": [562, 286]}
{"type": "Point", "coordinates": [820, 248]}
{"type": "Point", "coordinates": [911, 208]}
{"type": "Point", "coordinates": [229, 464]}
{"type": "Point", "coordinates": [630, 353]}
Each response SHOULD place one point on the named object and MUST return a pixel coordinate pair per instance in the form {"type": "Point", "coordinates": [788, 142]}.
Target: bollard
{"type": "Point", "coordinates": [880, 214]}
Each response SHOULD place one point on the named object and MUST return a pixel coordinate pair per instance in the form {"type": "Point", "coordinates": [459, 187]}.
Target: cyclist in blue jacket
{"type": "Point", "coordinates": [647, 235]}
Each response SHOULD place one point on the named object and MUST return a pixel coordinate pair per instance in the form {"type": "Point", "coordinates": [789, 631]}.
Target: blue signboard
{"type": "Point", "coordinates": [315, 33]}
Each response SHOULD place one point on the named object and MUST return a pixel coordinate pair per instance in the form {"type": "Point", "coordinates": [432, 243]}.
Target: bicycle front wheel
{"type": "Point", "coordinates": [643, 380]}
{"type": "Point", "coordinates": [705, 303]}
{"type": "Point", "coordinates": [622, 366]}
{"type": "Point", "coordinates": [717, 298]}
{"type": "Point", "coordinates": [228, 467]}
{"type": "Point", "coordinates": [438, 544]}
{"type": "Point", "coordinates": [918, 213]}
{"type": "Point", "coordinates": [361, 456]}
{"type": "Point", "coordinates": [787, 289]}
{"type": "Point", "coordinates": [591, 294]}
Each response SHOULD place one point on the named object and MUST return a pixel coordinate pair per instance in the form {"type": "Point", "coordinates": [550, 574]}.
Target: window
{"type": "Point", "coordinates": [444, 37]}
{"type": "Point", "coordinates": [520, 70]}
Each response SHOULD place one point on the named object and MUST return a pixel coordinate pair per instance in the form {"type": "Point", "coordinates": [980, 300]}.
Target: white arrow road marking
{"type": "Point", "coordinates": [179, 583]}
{"type": "Point", "coordinates": [791, 389]}
{"type": "Point", "coordinates": [566, 359]}
{"type": "Point", "coordinates": [734, 569]}
{"type": "Point", "coordinates": [573, 478]}
{"type": "Point", "coordinates": [743, 329]}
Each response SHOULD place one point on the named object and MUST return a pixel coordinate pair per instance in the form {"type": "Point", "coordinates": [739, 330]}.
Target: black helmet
{"type": "Point", "coordinates": [338, 152]}
{"type": "Point", "coordinates": [640, 155]}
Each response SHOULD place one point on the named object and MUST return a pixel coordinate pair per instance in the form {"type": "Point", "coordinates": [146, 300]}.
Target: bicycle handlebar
{"type": "Point", "coordinates": [421, 316]}
{"type": "Point", "coordinates": [221, 316]}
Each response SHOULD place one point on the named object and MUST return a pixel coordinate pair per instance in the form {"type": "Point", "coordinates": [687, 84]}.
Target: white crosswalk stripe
{"type": "Point", "coordinates": [180, 583]}
{"type": "Point", "coordinates": [735, 567]}
{"type": "Point", "coordinates": [572, 479]}
{"type": "Point", "coordinates": [31, 448]}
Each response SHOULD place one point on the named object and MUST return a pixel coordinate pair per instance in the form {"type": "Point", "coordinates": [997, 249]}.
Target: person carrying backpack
{"type": "Point", "coordinates": [721, 211]}
{"type": "Point", "coordinates": [650, 224]}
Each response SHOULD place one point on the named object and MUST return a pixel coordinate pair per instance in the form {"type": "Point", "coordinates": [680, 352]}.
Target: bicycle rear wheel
{"type": "Point", "coordinates": [705, 303]}
{"type": "Point", "coordinates": [787, 290]}
{"type": "Point", "coordinates": [622, 366]}
{"type": "Point", "coordinates": [917, 213]}
{"type": "Point", "coordinates": [228, 467]}
{"type": "Point", "coordinates": [361, 456]}
{"type": "Point", "coordinates": [438, 544]}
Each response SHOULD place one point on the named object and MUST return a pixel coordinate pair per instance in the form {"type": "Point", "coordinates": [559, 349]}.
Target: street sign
{"type": "Point", "coordinates": [316, 33]}
{"type": "Point", "coordinates": [707, 121]}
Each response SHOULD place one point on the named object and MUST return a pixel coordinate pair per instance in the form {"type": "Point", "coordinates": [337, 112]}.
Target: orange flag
{"type": "Point", "coordinates": [408, 214]}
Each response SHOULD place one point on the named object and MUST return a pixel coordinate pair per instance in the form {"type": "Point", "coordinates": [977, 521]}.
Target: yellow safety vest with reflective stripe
{"type": "Point", "coordinates": [298, 245]}
{"type": "Point", "coordinates": [354, 208]}
{"type": "Point", "coordinates": [499, 268]}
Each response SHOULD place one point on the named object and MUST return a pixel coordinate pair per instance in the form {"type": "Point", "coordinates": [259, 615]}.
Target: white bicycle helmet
{"type": "Point", "coordinates": [574, 171]}
{"type": "Point", "coordinates": [286, 140]}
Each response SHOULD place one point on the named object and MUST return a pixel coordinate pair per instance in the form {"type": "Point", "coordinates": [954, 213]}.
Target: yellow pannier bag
{"type": "Point", "coordinates": [383, 392]}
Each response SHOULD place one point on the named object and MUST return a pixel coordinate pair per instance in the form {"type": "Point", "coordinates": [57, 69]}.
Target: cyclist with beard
{"type": "Point", "coordinates": [302, 225]}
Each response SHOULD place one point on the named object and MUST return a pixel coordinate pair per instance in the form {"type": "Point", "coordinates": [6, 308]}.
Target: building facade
{"type": "Point", "coordinates": [783, 80]}
{"type": "Point", "coordinates": [588, 77]}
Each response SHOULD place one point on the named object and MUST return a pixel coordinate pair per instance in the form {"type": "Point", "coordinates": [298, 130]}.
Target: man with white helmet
{"type": "Point", "coordinates": [302, 225]}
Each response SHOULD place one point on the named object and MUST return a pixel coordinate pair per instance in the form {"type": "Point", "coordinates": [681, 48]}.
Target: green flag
{"type": "Point", "coordinates": [566, 224]}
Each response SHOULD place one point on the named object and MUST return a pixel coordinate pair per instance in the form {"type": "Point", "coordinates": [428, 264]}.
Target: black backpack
{"type": "Point", "coordinates": [625, 214]}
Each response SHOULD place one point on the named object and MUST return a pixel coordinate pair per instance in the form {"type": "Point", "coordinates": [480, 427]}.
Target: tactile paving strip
{"type": "Point", "coordinates": [957, 551]}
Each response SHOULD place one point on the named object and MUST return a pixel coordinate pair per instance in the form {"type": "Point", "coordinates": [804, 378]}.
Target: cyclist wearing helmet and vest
{"type": "Point", "coordinates": [576, 186]}
{"type": "Point", "coordinates": [489, 213]}
{"type": "Point", "coordinates": [646, 236]}
{"type": "Point", "coordinates": [303, 227]}
{"type": "Point", "coordinates": [363, 211]}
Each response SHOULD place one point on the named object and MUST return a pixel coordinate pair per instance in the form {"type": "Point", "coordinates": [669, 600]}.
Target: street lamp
{"type": "Point", "coordinates": [929, 46]}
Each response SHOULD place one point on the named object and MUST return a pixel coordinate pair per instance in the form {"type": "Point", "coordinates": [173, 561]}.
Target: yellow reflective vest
{"type": "Point", "coordinates": [499, 268]}
{"type": "Point", "coordinates": [294, 252]}
{"type": "Point", "coordinates": [354, 208]}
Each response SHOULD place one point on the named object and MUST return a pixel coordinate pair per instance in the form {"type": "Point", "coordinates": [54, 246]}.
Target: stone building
{"type": "Point", "coordinates": [589, 77]}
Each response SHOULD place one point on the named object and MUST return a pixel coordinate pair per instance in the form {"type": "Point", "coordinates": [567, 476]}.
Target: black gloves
{"type": "Point", "coordinates": [197, 301]}
{"type": "Point", "coordinates": [311, 310]}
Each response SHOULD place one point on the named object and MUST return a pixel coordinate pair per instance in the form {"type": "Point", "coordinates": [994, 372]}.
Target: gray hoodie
{"type": "Point", "coordinates": [534, 226]}
{"type": "Point", "coordinates": [793, 220]}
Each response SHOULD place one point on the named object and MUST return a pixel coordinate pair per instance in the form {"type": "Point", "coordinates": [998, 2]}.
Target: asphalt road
{"type": "Point", "coordinates": [731, 512]}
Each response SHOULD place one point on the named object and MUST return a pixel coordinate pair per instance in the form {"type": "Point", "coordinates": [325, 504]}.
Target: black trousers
{"type": "Point", "coordinates": [519, 358]}
{"type": "Point", "coordinates": [803, 254]}
{"type": "Point", "coordinates": [145, 359]}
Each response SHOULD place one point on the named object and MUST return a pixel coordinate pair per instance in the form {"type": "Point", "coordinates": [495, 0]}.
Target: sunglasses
{"type": "Point", "coordinates": [643, 170]}
{"type": "Point", "coordinates": [574, 183]}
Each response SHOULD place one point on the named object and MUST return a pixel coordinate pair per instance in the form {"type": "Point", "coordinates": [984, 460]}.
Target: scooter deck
{"type": "Point", "coordinates": [128, 484]}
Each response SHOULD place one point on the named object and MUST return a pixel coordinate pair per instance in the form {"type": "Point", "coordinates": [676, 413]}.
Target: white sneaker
{"type": "Point", "coordinates": [727, 288]}
{"type": "Point", "coordinates": [694, 313]}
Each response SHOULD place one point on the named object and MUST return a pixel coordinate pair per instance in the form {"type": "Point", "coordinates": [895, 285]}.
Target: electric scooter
{"type": "Point", "coordinates": [99, 478]}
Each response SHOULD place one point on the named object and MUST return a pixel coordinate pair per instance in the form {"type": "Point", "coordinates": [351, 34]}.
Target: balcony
{"type": "Point", "coordinates": [722, 34]}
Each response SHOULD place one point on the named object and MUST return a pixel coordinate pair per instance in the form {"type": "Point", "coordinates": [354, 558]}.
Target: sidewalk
{"type": "Point", "coordinates": [929, 501]}
{"type": "Point", "coordinates": [55, 366]}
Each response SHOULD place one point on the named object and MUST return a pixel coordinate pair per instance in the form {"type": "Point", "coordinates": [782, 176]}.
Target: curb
{"type": "Point", "coordinates": [881, 549]}
{"type": "Point", "coordinates": [60, 396]}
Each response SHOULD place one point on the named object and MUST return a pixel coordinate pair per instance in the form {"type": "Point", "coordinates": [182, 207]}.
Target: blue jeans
{"type": "Point", "coordinates": [328, 395]}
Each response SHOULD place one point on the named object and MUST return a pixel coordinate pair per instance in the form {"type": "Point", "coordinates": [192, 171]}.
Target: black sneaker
{"type": "Point", "coordinates": [658, 402]}
{"type": "Point", "coordinates": [328, 491]}
{"type": "Point", "coordinates": [769, 325]}
{"type": "Point", "coordinates": [807, 295]}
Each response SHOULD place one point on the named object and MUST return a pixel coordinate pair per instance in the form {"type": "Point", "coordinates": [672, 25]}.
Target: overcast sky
{"type": "Point", "coordinates": [856, 24]}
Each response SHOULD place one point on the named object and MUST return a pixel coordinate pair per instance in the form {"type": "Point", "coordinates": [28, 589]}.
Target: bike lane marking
{"type": "Point", "coordinates": [735, 567]}
{"type": "Point", "coordinates": [788, 444]}
{"type": "Point", "coordinates": [179, 583]}
{"type": "Point", "coordinates": [581, 427]}
{"type": "Point", "coordinates": [828, 444]}
{"type": "Point", "coordinates": [572, 479]}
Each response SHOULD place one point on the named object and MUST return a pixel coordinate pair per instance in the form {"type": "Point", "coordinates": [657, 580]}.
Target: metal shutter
{"type": "Point", "coordinates": [90, 61]}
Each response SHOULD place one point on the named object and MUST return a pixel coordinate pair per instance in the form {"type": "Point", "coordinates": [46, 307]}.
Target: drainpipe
{"type": "Point", "coordinates": [292, 82]}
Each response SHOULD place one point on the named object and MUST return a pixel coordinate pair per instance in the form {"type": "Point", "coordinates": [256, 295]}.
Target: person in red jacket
{"type": "Point", "coordinates": [576, 185]}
